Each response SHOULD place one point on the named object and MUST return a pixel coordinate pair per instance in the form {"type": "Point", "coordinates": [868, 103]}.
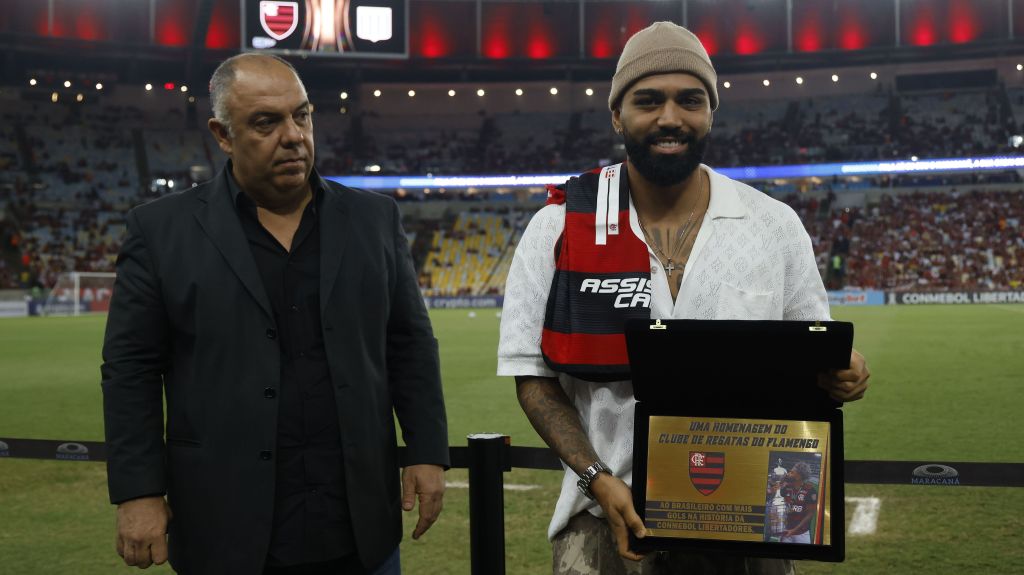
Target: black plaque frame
{"type": "Point", "coordinates": [763, 370]}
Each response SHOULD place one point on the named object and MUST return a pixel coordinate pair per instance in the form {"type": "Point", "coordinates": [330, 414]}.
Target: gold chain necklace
{"type": "Point", "coordinates": [668, 262]}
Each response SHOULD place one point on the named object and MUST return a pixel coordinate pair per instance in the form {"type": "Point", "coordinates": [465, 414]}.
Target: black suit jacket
{"type": "Point", "coordinates": [190, 319]}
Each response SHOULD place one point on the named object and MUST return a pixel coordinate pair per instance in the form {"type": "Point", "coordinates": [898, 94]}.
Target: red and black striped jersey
{"type": "Point", "coordinates": [800, 502]}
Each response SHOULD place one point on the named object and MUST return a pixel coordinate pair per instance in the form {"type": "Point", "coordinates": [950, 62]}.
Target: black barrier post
{"type": "Point", "coordinates": [488, 460]}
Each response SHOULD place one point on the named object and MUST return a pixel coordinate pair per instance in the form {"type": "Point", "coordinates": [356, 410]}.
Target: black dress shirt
{"type": "Point", "coordinates": [311, 515]}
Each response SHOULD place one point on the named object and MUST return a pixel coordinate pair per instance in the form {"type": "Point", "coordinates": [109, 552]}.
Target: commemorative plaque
{"type": "Point", "coordinates": [739, 457]}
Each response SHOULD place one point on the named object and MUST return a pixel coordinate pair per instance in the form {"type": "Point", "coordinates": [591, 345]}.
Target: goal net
{"type": "Point", "coordinates": [75, 293]}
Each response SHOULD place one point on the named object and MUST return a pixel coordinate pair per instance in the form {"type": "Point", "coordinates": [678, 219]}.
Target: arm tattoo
{"type": "Point", "coordinates": [553, 416]}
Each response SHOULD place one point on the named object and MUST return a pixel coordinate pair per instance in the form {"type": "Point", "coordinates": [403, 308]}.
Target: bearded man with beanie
{"type": "Point", "coordinates": [682, 242]}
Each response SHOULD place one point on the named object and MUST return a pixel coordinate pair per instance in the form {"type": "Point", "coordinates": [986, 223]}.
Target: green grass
{"type": "Point", "coordinates": [945, 386]}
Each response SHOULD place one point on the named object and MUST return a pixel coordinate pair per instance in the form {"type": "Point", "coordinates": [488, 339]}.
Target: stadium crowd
{"type": "Point", "coordinates": [927, 241]}
{"type": "Point", "coordinates": [71, 171]}
{"type": "Point", "coordinates": [877, 126]}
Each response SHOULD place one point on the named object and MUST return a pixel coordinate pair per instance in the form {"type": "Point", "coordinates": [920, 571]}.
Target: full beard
{"type": "Point", "coordinates": [665, 169]}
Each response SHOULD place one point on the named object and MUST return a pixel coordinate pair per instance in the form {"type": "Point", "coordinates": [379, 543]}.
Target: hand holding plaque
{"type": "Point", "coordinates": [616, 499]}
{"type": "Point", "coordinates": [847, 384]}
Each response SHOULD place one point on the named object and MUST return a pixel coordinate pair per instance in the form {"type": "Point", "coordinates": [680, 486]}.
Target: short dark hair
{"type": "Point", "coordinates": [803, 469]}
{"type": "Point", "coordinates": [223, 78]}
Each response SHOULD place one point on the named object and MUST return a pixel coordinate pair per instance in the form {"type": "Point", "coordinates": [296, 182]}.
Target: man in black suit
{"type": "Point", "coordinates": [279, 314]}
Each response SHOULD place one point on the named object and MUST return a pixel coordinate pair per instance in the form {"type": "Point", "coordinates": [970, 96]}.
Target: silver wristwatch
{"type": "Point", "coordinates": [588, 477]}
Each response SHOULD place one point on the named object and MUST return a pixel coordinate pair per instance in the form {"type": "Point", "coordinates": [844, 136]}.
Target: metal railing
{"type": "Point", "coordinates": [489, 455]}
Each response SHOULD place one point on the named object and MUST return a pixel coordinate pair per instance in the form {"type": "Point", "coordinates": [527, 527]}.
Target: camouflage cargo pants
{"type": "Point", "coordinates": [585, 547]}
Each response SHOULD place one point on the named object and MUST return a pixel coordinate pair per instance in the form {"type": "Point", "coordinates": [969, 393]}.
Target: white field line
{"type": "Point", "coordinates": [865, 515]}
{"type": "Point", "coordinates": [508, 486]}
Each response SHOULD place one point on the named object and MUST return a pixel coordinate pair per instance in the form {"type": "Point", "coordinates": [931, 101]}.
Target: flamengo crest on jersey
{"type": "Point", "coordinates": [602, 278]}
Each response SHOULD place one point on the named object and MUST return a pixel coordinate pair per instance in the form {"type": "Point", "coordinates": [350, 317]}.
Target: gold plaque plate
{"type": "Point", "coordinates": [745, 480]}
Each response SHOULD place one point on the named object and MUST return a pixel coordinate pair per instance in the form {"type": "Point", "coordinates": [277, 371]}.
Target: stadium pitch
{"type": "Point", "coordinates": [946, 386]}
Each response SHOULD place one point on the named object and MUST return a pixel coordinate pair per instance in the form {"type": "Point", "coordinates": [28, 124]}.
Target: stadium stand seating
{"type": "Point", "coordinates": [71, 170]}
{"type": "Point", "coordinates": [435, 144]}
{"type": "Point", "coordinates": [751, 135]}
{"type": "Point", "coordinates": [332, 135]}
{"type": "Point", "coordinates": [170, 153]}
{"type": "Point", "coordinates": [842, 128]}
{"type": "Point", "coordinates": [468, 258]}
{"type": "Point", "coordinates": [951, 125]}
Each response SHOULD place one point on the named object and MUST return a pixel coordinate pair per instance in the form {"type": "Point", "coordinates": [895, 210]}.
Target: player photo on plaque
{"type": "Point", "coordinates": [733, 461]}
{"type": "Point", "coordinates": [794, 512]}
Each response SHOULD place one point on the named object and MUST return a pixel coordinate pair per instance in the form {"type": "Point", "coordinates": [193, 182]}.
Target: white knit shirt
{"type": "Point", "coordinates": [752, 259]}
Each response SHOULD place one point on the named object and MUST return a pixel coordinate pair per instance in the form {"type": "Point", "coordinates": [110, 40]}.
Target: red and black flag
{"type": "Point", "coordinates": [602, 278]}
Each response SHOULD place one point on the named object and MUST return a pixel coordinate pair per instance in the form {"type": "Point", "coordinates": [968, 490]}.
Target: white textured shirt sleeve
{"type": "Point", "coordinates": [805, 297]}
{"type": "Point", "coordinates": [526, 295]}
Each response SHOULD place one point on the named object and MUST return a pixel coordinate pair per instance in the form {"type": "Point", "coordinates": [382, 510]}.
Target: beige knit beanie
{"type": "Point", "coordinates": [663, 48]}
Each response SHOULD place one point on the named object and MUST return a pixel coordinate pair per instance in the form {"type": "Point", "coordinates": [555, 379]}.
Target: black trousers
{"type": "Point", "coordinates": [349, 565]}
